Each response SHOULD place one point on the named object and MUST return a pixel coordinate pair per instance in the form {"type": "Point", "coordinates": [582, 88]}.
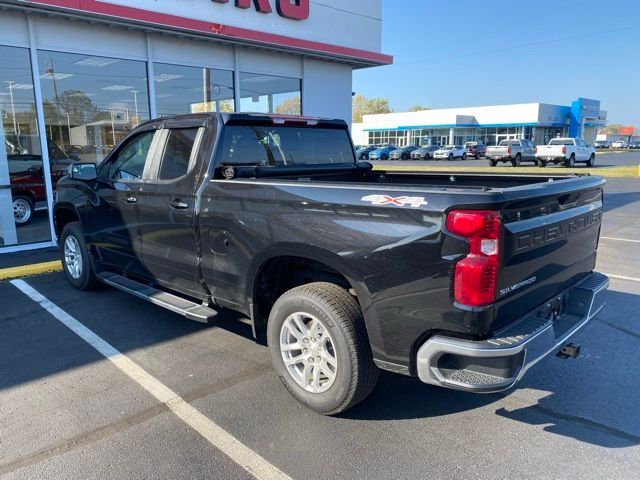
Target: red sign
{"type": "Point", "coordinates": [296, 10]}
{"type": "Point", "coordinates": [626, 130]}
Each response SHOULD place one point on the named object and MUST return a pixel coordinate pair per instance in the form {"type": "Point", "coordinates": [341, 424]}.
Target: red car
{"type": "Point", "coordinates": [27, 180]}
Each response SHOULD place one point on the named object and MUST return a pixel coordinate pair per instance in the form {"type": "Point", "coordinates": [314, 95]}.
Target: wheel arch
{"type": "Point", "coordinates": [63, 214]}
{"type": "Point", "coordinates": [286, 266]}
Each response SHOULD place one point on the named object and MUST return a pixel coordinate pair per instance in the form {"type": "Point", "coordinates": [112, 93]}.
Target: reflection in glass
{"type": "Point", "coordinates": [269, 94]}
{"type": "Point", "coordinates": [181, 90]}
{"type": "Point", "coordinates": [23, 196]}
{"type": "Point", "coordinates": [90, 103]}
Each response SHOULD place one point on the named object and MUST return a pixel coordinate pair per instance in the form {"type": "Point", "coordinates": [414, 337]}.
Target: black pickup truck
{"type": "Point", "coordinates": [463, 280]}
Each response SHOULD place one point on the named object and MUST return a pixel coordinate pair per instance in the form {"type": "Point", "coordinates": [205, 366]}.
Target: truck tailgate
{"type": "Point", "coordinates": [550, 151]}
{"type": "Point", "coordinates": [550, 243]}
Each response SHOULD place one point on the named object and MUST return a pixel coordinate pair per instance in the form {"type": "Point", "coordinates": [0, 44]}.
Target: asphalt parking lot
{"type": "Point", "coordinates": [604, 158]}
{"type": "Point", "coordinates": [68, 412]}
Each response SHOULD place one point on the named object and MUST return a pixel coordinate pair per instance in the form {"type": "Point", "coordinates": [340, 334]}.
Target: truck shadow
{"type": "Point", "coordinates": [592, 399]}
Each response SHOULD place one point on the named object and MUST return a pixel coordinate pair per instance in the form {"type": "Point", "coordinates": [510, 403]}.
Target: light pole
{"type": "Point", "coordinates": [135, 101]}
{"type": "Point", "coordinates": [11, 83]}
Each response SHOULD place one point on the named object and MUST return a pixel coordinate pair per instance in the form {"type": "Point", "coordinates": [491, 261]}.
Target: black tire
{"type": "Point", "coordinates": [542, 163]}
{"type": "Point", "coordinates": [356, 373]}
{"type": "Point", "coordinates": [23, 210]}
{"type": "Point", "coordinates": [87, 278]}
{"type": "Point", "coordinates": [477, 156]}
{"type": "Point", "coordinates": [493, 163]}
{"type": "Point", "coordinates": [464, 156]}
{"type": "Point", "coordinates": [571, 161]}
{"type": "Point", "coordinates": [364, 157]}
{"type": "Point", "coordinates": [516, 161]}
{"type": "Point", "coordinates": [592, 160]}
{"type": "Point", "coordinates": [450, 157]}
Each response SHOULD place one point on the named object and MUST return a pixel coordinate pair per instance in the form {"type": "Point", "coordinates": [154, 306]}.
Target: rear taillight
{"type": "Point", "coordinates": [564, 150]}
{"type": "Point", "coordinates": [476, 275]}
{"type": "Point", "coordinates": [535, 150]}
{"type": "Point", "coordinates": [509, 150]}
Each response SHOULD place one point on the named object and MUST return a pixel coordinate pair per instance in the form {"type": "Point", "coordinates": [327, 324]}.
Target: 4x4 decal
{"type": "Point", "coordinates": [414, 202]}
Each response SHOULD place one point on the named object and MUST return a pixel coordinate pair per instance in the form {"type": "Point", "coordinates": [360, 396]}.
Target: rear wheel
{"type": "Point", "coordinates": [477, 156]}
{"type": "Point", "coordinates": [516, 161]}
{"type": "Point", "coordinates": [571, 161]}
{"type": "Point", "coordinates": [542, 163]}
{"type": "Point", "coordinates": [493, 163]}
{"type": "Point", "coordinates": [76, 261]}
{"type": "Point", "coordinates": [450, 156]}
{"type": "Point", "coordinates": [592, 160]}
{"type": "Point", "coordinates": [319, 347]}
{"type": "Point", "coordinates": [23, 209]}
{"type": "Point", "coordinates": [464, 156]}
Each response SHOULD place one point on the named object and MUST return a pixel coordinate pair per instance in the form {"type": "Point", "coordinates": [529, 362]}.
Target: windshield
{"type": "Point", "coordinates": [276, 145]}
{"type": "Point", "coordinates": [448, 147]}
{"type": "Point", "coordinates": [561, 141]}
{"type": "Point", "coordinates": [507, 143]}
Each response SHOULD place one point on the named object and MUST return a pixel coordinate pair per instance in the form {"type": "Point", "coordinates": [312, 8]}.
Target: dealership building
{"type": "Point", "coordinates": [538, 122]}
{"type": "Point", "coordinates": [77, 76]}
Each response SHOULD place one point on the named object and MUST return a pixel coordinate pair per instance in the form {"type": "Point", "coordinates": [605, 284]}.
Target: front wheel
{"type": "Point", "coordinates": [464, 156]}
{"type": "Point", "coordinates": [319, 347]}
{"type": "Point", "coordinates": [592, 160]}
{"type": "Point", "coordinates": [516, 161]}
{"type": "Point", "coordinates": [76, 261]}
{"type": "Point", "coordinates": [450, 156]}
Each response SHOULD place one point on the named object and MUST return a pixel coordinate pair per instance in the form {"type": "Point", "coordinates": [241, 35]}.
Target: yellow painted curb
{"type": "Point", "coordinates": [28, 270]}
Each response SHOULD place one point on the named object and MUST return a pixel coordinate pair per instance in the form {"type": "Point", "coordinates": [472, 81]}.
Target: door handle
{"type": "Point", "coordinates": [131, 200]}
{"type": "Point", "coordinates": [178, 205]}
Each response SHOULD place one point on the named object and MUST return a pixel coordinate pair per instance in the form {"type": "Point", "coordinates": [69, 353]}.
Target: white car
{"type": "Point", "coordinates": [449, 152]}
{"type": "Point", "coordinates": [619, 144]}
{"type": "Point", "coordinates": [567, 151]}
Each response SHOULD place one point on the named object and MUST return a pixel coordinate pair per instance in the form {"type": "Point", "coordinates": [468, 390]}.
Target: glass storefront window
{"type": "Point", "coordinates": [270, 94]}
{"type": "Point", "coordinates": [181, 90]}
{"type": "Point", "coordinates": [23, 197]}
{"type": "Point", "coordinates": [90, 103]}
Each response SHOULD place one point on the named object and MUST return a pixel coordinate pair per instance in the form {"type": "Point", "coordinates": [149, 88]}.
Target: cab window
{"type": "Point", "coordinates": [177, 153]}
{"type": "Point", "coordinates": [129, 162]}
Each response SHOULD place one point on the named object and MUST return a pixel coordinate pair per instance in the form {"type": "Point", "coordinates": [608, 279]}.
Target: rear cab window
{"type": "Point", "coordinates": [259, 145]}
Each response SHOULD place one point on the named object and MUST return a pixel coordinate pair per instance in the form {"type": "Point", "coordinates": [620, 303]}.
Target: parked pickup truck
{"type": "Point", "coordinates": [567, 151]}
{"type": "Point", "coordinates": [462, 280]}
{"type": "Point", "coordinates": [514, 151]}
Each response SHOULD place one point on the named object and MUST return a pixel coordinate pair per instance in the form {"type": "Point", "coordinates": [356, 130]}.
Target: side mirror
{"type": "Point", "coordinates": [83, 171]}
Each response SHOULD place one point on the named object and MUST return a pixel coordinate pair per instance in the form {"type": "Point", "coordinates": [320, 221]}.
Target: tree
{"type": "Point", "coordinates": [369, 106]}
{"type": "Point", "coordinates": [290, 106]}
{"type": "Point", "coordinates": [418, 108]}
{"type": "Point", "coordinates": [78, 106]}
{"type": "Point", "coordinates": [613, 127]}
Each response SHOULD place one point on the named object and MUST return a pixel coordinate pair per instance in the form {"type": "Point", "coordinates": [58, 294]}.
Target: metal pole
{"type": "Point", "coordinates": [44, 146]}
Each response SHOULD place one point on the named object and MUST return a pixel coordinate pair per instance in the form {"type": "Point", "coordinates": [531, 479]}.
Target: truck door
{"type": "Point", "coordinates": [115, 225]}
{"type": "Point", "coordinates": [167, 210]}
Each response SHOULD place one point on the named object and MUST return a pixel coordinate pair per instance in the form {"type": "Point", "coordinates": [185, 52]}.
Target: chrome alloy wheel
{"type": "Point", "coordinates": [21, 210]}
{"type": "Point", "coordinates": [308, 352]}
{"type": "Point", "coordinates": [73, 257]}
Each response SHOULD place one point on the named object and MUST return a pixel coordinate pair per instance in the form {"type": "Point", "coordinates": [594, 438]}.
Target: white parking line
{"type": "Point", "coordinates": [622, 277]}
{"type": "Point", "coordinates": [216, 435]}
{"type": "Point", "coordinates": [620, 239]}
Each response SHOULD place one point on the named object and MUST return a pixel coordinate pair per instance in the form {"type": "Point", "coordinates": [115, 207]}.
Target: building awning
{"type": "Point", "coordinates": [112, 13]}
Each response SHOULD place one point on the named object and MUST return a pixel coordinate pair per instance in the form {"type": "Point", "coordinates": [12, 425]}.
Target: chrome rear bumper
{"type": "Point", "coordinates": [499, 362]}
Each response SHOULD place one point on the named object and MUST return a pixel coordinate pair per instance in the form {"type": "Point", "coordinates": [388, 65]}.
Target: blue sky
{"type": "Point", "coordinates": [467, 53]}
